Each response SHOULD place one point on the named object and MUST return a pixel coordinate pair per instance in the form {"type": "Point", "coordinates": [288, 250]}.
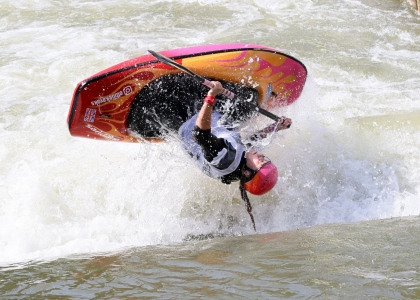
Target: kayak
{"type": "Point", "coordinates": [141, 99]}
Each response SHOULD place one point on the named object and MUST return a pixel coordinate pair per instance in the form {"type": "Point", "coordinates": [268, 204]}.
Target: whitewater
{"type": "Point", "coordinates": [351, 155]}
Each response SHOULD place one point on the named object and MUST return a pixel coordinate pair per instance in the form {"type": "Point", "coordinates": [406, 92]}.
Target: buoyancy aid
{"type": "Point", "coordinates": [227, 160]}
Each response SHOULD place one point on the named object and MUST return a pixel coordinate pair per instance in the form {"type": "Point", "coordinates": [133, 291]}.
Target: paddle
{"type": "Point", "coordinates": [208, 83]}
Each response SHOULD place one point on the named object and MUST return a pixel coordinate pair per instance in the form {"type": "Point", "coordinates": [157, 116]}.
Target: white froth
{"type": "Point", "coordinates": [351, 154]}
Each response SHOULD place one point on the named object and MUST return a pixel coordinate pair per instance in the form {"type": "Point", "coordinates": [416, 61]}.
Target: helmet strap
{"type": "Point", "coordinates": [248, 173]}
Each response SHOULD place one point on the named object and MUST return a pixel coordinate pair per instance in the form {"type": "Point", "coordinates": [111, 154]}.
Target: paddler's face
{"type": "Point", "coordinates": [255, 160]}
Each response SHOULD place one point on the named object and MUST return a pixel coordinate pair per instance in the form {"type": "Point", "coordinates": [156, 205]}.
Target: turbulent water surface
{"type": "Point", "coordinates": [92, 219]}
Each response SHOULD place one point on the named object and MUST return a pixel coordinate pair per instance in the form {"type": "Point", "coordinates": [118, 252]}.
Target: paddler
{"type": "Point", "coordinates": [222, 155]}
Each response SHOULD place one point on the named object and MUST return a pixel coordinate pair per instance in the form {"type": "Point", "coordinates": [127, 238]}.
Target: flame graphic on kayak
{"type": "Point", "coordinates": [286, 87]}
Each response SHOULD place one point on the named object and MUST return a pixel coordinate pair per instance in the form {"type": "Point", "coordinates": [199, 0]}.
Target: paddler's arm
{"type": "Point", "coordinates": [284, 123]}
{"type": "Point", "coordinates": [209, 143]}
{"type": "Point", "coordinates": [204, 116]}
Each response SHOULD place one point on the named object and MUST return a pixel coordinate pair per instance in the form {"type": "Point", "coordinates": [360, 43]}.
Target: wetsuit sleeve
{"type": "Point", "coordinates": [209, 143]}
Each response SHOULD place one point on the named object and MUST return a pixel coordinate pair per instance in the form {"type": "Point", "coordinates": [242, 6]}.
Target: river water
{"type": "Point", "coordinates": [86, 219]}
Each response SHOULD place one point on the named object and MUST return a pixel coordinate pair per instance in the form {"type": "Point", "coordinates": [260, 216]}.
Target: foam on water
{"type": "Point", "coordinates": [351, 154]}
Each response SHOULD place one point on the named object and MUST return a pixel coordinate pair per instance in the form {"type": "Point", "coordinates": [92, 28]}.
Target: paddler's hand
{"type": "Point", "coordinates": [217, 89]}
{"type": "Point", "coordinates": [284, 123]}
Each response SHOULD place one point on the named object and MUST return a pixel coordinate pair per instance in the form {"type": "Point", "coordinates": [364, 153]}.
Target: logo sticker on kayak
{"type": "Point", "coordinates": [90, 115]}
{"type": "Point", "coordinates": [125, 91]}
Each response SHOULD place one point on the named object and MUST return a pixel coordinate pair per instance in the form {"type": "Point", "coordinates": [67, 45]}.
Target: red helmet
{"type": "Point", "coordinates": [263, 181]}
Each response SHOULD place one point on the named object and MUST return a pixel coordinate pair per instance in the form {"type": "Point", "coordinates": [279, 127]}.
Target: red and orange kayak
{"type": "Point", "coordinates": [126, 102]}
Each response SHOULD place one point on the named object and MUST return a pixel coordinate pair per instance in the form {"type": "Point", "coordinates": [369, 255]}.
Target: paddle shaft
{"type": "Point", "coordinates": [209, 84]}
{"type": "Point", "coordinates": [230, 94]}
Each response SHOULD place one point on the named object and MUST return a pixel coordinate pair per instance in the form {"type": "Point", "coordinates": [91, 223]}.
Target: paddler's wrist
{"type": "Point", "coordinates": [209, 99]}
